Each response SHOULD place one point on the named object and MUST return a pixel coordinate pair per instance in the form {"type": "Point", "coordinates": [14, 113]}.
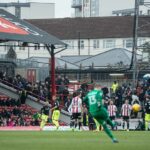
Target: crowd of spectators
{"type": "Point", "coordinates": [38, 89]}
{"type": "Point", "coordinates": [13, 113]}
{"type": "Point", "coordinates": [117, 92]}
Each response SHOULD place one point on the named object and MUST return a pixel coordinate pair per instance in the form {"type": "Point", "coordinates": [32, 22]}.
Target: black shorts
{"type": "Point", "coordinates": [76, 115]}
{"type": "Point", "coordinates": [125, 118]}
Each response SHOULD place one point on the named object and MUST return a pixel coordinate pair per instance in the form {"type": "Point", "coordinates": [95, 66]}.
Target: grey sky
{"type": "Point", "coordinates": [63, 7]}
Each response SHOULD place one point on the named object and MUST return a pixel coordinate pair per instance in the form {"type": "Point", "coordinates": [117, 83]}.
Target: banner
{"type": "Point", "coordinates": [15, 29]}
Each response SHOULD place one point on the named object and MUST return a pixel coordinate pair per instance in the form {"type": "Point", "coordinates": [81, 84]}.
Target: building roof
{"type": "Point", "coordinates": [93, 27]}
{"type": "Point", "coordinates": [114, 57]}
{"type": "Point", "coordinates": [60, 63]}
{"type": "Point", "coordinates": [121, 58]}
{"type": "Point", "coordinates": [74, 58]}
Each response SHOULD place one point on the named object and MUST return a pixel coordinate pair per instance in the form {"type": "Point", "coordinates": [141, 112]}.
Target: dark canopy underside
{"type": "Point", "coordinates": [14, 29]}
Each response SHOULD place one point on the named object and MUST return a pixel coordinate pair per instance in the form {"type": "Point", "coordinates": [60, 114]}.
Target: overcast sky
{"type": "Point", "coordinates": [62, 7]}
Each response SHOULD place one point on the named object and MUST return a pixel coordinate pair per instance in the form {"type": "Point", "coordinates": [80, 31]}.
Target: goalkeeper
{"type": "Point", "coordinates": [94, 102]}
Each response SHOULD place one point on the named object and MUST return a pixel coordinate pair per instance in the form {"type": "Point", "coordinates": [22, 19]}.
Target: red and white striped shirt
{"type": "Point", "coordinates": [126, 110]}
{"type": "Point", "coordinates": [76, 105]}
{"type": "Point", "coordinates": [112, 110]}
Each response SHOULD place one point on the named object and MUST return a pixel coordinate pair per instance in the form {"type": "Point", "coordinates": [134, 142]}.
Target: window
{"type": "Point", "coordinates": [70, 44]}
{"type": "Point", "coordinates": [6, 48]}
{"type": "Point", "coordinates": [82, 44]}
{"type": "Point", "coordinates": [141, 41]}
{"type": "Point", "coordinates": [141, 12]}
{"type": "Point", "coordinates": [128, 43]}
{"type": "Point", "coordinates": [108, 43]}
{"type": "Point", "coordinates": [95, 44]}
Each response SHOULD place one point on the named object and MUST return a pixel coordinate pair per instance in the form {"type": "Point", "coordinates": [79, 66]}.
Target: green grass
{"type": "Point", "coordinates": [52, 140]}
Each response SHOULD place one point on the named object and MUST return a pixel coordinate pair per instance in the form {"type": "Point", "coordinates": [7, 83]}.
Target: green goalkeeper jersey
{"type": "Point", "coordinates": [94, 100]}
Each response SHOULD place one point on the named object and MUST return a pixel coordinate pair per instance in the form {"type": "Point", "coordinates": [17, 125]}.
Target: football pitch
{"type": "Point", "coordinates": [88, 140]}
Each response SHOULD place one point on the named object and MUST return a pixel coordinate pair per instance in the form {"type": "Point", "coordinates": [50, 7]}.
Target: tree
{"type": "Point", "coordinates": [11, 53]}
{"type": "Point", "coordinates": [146, 49]}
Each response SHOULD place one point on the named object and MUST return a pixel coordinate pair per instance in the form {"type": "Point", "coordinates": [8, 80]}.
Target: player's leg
{"type": "Point", "coordinates": [128, 124]}
{"type": "Point", "coordinates": [123, 125]}
{"type": "Point", "coordinates": [42, 124]}
{"type": "Point", "coordinates": [102, 118]}
{"type": "Point", "coordinates": [71, 121]}
{"type": "Point", "coordinates": [79, 120]}
{"type": "Point", "coordinates": [146, 121]}
{"type": "Point", "coordinates": [75, 119]}
{"type": "Point", "coordinates": [107, 130]}
{"type": "Point", "coordinates": [110, 122]}
{"type": "Point", "coordinates": [55, 118]}
{"type": "Point", "coordinates": [56, 123]}
{"type": "Point", "coordinates": [114, 123]}
{"type": "Point", "coordinates": [75, 123]}
{"type": "Point", "coordinates": [97, 124]}
{"type": "Point", "coordinates": [43, 121]}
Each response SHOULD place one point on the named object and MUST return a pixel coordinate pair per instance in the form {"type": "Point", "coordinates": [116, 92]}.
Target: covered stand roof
{"type": "Point", "coordinates": [104, 61]}
{"type": "Point", "coordinates": [60, 63]}
{"type": "Point", "coordinates": [15, 29]}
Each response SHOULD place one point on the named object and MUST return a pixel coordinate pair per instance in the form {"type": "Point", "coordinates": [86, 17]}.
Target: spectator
{"type": "Point", "coordinates": [106, 100]}
{"type": "Point", "coordinates": [65, 95]}
{"type": "Point", "coordinates": [147, 94]}
{"type": "Point", "coordinates": [147, 114]}
{"type": "Point", "coordinates": [135, 98]}
{"type": "Point", "coordinates": [23, 96]}
{"type": "Point", "coordinates": [66, 81]}
{"type": "Point", "coordinates": [128, 94]}
{"type": "Point", "coordinates": [16, 111]}
{"type": "Point", "coordinates": [67, 103]}
{"type": "Point", "coordinates": [114, 87]}
{"type": "Point", "coordinates": [118, 98]}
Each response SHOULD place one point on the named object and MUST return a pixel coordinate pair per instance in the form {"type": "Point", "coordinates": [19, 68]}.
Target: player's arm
{"type": "Point", "coordinates": [81, 105]}
{"type": "Point", "coordinates": [55, 106]}
{"type": "Point", "coordinates": [130, 108]}
{"type": "Point", "coordinates": [99, 98]}
{"type": "Point", "coordinates": [121, 110]}
{"type": "Point", "coordinates": [85, 100]}
{"type": "Point", "coordinates": [42, 109]}
{"type": "Point", "coordinates": [70, 108]}
{"type": "Point", "coordinates": [145, 107]}
{"type": "Point", "coordinates": [116, 109]}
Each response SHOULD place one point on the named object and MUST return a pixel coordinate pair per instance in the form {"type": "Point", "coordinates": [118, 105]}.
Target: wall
{"type": "Point", "coordinates": [90, 50]}
{"type": "Point", "coordinates": [73, 49]}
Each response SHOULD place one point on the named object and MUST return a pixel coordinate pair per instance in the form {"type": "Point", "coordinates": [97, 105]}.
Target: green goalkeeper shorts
{"type": "Point", "coordinates": [101, 115]}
